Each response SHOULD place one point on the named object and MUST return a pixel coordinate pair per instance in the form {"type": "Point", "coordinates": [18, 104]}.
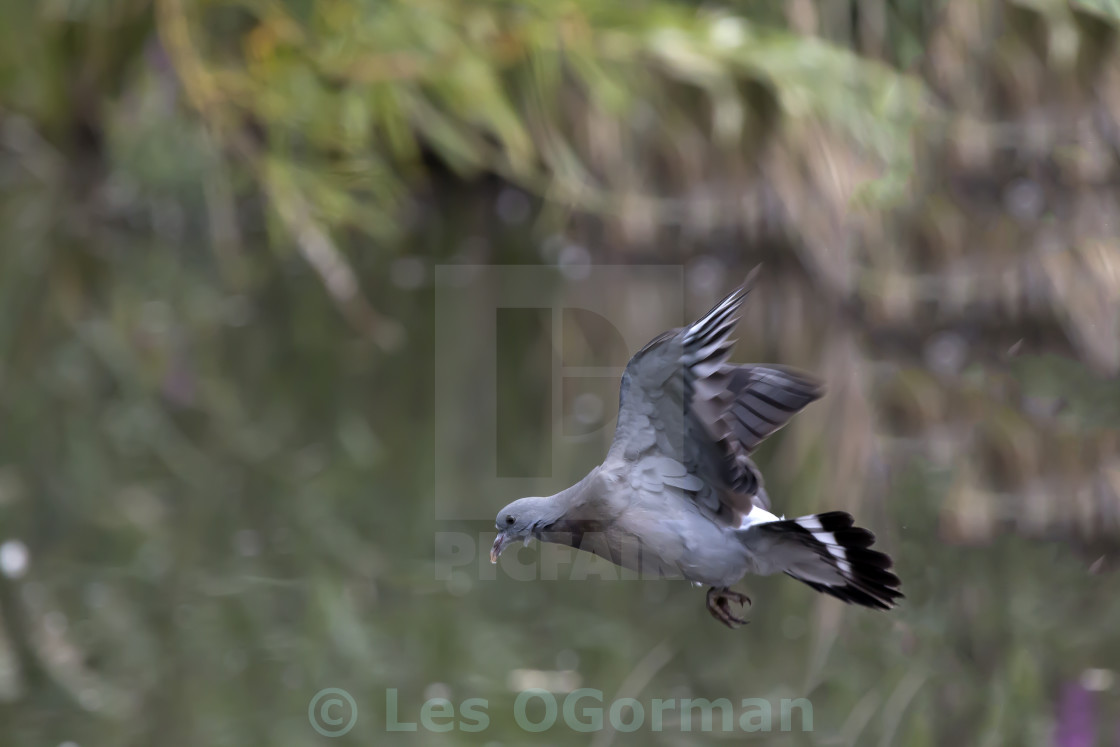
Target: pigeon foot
{"type": "Point", "coordinates": [719, 605]}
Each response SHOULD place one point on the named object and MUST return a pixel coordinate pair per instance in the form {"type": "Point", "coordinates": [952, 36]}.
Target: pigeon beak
{"type": "Point", "coordinates": [499, 545]}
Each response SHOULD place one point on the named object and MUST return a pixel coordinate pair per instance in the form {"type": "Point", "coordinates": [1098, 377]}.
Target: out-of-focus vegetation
{"type": "Point", "coordinates": [221, 222]}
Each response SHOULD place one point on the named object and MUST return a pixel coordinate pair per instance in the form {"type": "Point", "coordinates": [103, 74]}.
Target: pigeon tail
{"type": "Point", "coordinates": [834, 557]}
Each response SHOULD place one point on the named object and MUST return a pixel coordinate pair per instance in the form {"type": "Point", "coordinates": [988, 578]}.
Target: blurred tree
{"type": "Point", "coordinates": [216, 368]}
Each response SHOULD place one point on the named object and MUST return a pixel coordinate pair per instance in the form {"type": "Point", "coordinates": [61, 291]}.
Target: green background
{"type": "Point", "coordinates": [222, 222]}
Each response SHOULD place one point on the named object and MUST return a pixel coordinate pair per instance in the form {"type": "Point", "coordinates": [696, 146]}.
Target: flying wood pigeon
{"type": "Point", "coordinates": [678, 494]}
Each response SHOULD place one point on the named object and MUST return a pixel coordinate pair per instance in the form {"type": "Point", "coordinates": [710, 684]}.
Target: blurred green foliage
{"type": "Point", "coordinates": [221, 225]}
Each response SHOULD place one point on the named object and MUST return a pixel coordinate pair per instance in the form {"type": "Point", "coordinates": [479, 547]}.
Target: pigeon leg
{"type": "Point", "coordinates": [718, 600]}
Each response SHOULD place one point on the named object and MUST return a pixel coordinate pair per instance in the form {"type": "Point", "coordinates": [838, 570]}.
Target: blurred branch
{"type": "Point", "coordinates": [320, 252]}
{"type": "Point", "coordinates": [640, 676]}
{"type": "Point", "coordinates": [312, 238]}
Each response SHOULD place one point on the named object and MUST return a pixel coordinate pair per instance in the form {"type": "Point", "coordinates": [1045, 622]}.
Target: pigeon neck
{"type": "Point", "coordinates": [556, 507]}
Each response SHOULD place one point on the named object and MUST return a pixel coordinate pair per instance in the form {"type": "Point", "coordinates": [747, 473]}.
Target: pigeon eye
{"type": "Point", "coordinates": [509, 520]}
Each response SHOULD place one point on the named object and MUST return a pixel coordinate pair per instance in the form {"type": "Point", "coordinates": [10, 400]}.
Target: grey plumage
{"type": "Point", "coordinates": [678, 494]}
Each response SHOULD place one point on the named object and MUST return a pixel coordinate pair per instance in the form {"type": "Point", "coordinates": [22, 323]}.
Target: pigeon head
{"type": "Point", "coordinates": [521, 520]}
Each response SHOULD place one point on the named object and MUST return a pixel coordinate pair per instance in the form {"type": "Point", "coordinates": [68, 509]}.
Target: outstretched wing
{"type": "Point", "coordinates": [763, 399]}
{"type": "Point", "coordinates": [681, 400]}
